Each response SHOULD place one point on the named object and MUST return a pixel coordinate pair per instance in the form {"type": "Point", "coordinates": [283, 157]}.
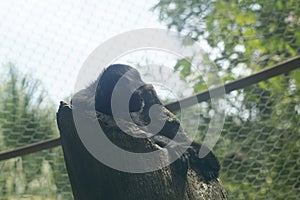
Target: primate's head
{"type": "Point", "coordinates": [141, 100]}
{"type": "Point", "coordinates": [130, 77]}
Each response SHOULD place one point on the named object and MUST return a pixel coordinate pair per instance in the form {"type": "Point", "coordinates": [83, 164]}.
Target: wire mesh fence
{"type": "Point", "coordinates": [259, 146]}
{"type": "Point", "coordinates": [40, 175]}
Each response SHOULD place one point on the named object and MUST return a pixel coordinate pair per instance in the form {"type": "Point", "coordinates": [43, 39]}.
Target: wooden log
{"type": "Point", "coordinates": [92, 180]}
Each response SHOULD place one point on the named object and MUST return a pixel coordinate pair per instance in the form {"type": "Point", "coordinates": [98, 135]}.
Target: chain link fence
{"type": "Point", "coordinates": [259, 146]}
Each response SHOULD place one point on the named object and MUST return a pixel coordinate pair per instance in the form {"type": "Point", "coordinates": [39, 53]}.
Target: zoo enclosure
{"type": "Point", "coordinates": [258, 149]}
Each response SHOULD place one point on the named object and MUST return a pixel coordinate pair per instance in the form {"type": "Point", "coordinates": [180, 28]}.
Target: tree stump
{"type": "Point", "coordinates": [92, 180]}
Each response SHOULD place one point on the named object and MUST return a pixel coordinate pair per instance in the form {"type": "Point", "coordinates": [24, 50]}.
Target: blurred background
{"type": "Point", "coordinates": [43, 45]}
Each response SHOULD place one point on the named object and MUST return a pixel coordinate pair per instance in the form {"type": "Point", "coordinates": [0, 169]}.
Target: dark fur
{"type": "Point", "coordinates": [107, 82]}
{"type": "Point", "coordinates": [140, 103]}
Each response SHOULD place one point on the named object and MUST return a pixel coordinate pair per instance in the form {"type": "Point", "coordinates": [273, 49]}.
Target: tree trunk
{"type": "Point", "coordinates": [92, 180]}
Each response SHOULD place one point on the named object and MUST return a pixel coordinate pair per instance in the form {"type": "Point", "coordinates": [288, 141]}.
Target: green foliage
{"type": "Point", "coordinates": [184, 66]}
{"type": "Point", "coordinates": [25, 118]}
{"type": "Point", "coordinates": [253, 33]}
{"type": "Point", "coordinates": [21, 105]}
{"type": "Point", "coordinates": [259, 146]}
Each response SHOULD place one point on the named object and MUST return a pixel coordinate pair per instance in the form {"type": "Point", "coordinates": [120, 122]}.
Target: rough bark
{"type": "Point", "coordinates": [92, 180]}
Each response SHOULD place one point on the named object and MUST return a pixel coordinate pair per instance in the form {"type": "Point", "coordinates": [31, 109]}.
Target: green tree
{"type": "Point", "coordinates": [24, 117]}
{"type": "Point", "coordinates": [255, 34]}
{"type": "Point", "coordinates": [260, 139]}
{"type": "Point", "coordinates": [27, 117]}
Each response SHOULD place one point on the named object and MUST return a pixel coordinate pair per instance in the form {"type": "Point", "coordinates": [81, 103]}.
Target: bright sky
{"type": "Point", "coordinates": [51, 39]}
